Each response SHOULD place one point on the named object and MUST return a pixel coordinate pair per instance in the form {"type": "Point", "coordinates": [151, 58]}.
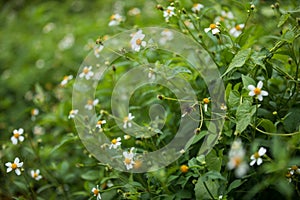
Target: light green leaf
{"type": "Point", "coordinates": [238, 60]}
{"type": "Point", "coordinates": [247, 81]}
{"type": "Point", "coordinates": [267, 125]}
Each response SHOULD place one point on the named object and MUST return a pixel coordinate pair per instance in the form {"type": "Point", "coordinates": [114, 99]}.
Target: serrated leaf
{"type": "Point", "coordinates": [283, 19]}
{"type": "Point", "coordinates": [238, 60]}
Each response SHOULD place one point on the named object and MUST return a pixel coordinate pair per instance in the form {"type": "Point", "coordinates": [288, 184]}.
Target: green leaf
{"type": "Point", "coordinates": [213, 162]}
{"type": "Point", "coordinates": [212, 175]}
{"type": "Point", "coordinates": [201, 191]}
{"type": "Point", "coordinates": [283, 19]}
{"type": "Point", "coordinates": [90, 175]}
{"type": "Point", "coordinates": [247, 81]}
{"type": "Point", "coordinates": [239, 60]}
{"type": "Point", "coordinates": [244, 115]}
{"type": "Point", "coordinates": [267, 125]}
{"type": "Point", "coordinates": [235, 184]}
{"type": "Point", "coordinates": [67, 139]}
{"type": "Point", "coordinates": [234, 99]}
{"type": "Point", "coordinates": [292, 120]}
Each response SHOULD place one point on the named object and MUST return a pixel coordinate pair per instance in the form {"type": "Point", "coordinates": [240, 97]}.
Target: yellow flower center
{"type": "Point", "coordinates": [138, 41]}
{"type": "Point", "coordinates": [206, 100]}
{"type": "Point", "coordinates": [127, 161]}
{"type": "Point", "coordinates": [90, 102]}
{"type": "Point", "coordinates": [14, 166]}
{"type": "Point", "coordinates": [114, 141]}
{"type": "Point", "coordinates": [86, 70]}
{"type": "Point", "coordinates": [169, 11]}
{"type": "Point", "coordinates": [212, 26]}
{"type": "Point", "coordinates": [237, 161]}
{"type": "Point", "coordinates": [66, 77]}
{"type": "Point", "coordinates": [100, 122]}
{"type": "Point", "coordinates": [288, 175]}
{"type": "Point", "coordinates": [96, 192]}
{"type": "Point", "coordinates": [184, 168]}
{"type": "Point", "coordinates": [222, 19]}
{"type": "Point", "coordinates": [137, 164]}
{"type": "Point", "coordinates": [257, 91]}
{"type": "Point", "coordinates": [256, 155]}
{"type": "Point", "coordinates": [113, 17]}
{"type": "Point", "coordinates": [16, 135]}
{"type": "Point", "coordinates": [35, 175]}
{"type": "Point", "coordinates": [125, 119]}
{"type": "Point", "coordinates": [294, 167]}
{"type": "Point", "coordinates": [238, 27]}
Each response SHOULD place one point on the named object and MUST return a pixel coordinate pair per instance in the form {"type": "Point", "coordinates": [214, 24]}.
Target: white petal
{"type": "Point", "coordinates": [18, 172]}
{"type": "Point", "coordinates": [215, 31]}
{"type": "Point", "coordinates": [21, 138]}
{"type": "Point", "coordinates": [8, 164]}
{"type": "Point", "coordinates": [251, 93]}
{"type": "Point", "coordinates": [21, 131]}
{"type": "Point", "coordinates": [251, 87]}
{"type": "Point", "coordinates": [242, 25]}
{"type": "Point", "coordinates": [20, 164]}
{"type": "Point", "coordinates": [17, 160]}
{"type": "Point", "coordinates": [262, 151]}
{"type": "Point", "coordinates": [143, 43]}
{"type": "Point", "coordinates": [260, 97]}
{"type": "Point", "coordinates": [260, 84]}
{"type": "Point", "coordinates": [207, 29]}
{"type": "Point", "coordinates": [9, 170]}
{"type": "Point", "coordinates": [264, 93]}
{"type": "Point", "coordinates": [259, 161]}
{"type": "Point", "coordinates": [14, 140]}
{"type": "Point", "coordinates": [252, 162]}
{"type": "Point", "coordinates": [32, 173]}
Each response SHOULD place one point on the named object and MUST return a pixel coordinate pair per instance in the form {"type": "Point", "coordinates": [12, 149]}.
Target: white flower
{"type": "Point", "coordinates": [151, 74]}
{"type": "Point", "coordinates": [257, 91]}
{"type": "Point", "coordinates": [96, 192]}
{"type": "Point", "coordinates": [115, 143]}
{"type": "Point", "coordinates": [72, 113]}
{"type": "Point", "coordinates": [91, 103]}
{"type": "Point", "coordinates": [134, 12]}
{"type": "Point", "coordinates": [213, 28]}
{"type": "Point", "coordinates": [17, 136]}
{"type": "Point", "coordinates": [127, 137]}
{"type": "Point", "coordinates": [189, 24]}
{"type": "Point", "coordinates": [97, 50]}
{"type": "Point", "coordinates": [256, 157]}
{"type": "Point", "coordinates": [206, 102]}
{"type": "Point", "coordinates": [127, 120]}
{"type": "Point", "coordinates": [65, 80]}
{"type": "Point", "coordinates": [167, 35]}
{"type": "Point", "coordinates": [227, 15]}
{"type": "Point", "coordinates": [182, 151]}
{"type": "Point", "coordinates": [237, 30]}
{"type": "Point", "coordinates": [14, 166]}
{"type": "Point", "coordinates": [36, 174]}
{"type": "Point", "coordinates": [294, 170]}
{"type": "Point", "coordinates": [34, 113]}
{"type": "Point", "coordinates": [115, 20]}
{"type": "Point", "coordinates": [128, 161]}
{"type": "Point", "coordinates": [169, 12]}
{"type": "Point", "coordinates": [86, 72]}
{"type": "Point", "coordinates": [109, 184]}
{"type": "Point", "coordinates": [236, 159]}
{"type": "Point", "coordinates": [137, 40]}
{"type": "Point", "coordinates": [100, 123]}
{"type": "Point", "coordinates": [197, 7]}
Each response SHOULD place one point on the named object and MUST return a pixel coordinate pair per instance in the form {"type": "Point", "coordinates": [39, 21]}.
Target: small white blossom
{"type": "Point", "coordinates": [100, 123]}
{"type": "Point", "coordinates": [14, 166]}
{"type": "Point", "coordinates": [236, 159]}
{"type": "Point", "coordinates": [167, 35]}
{"type": "Point", "coordinates": [72, 113]}
{"type": "Point", "coordinates": [86, 72]}
{"type": "Point", "coordinates": [129, 161]}
{"type": "Point", "coordinates": [134, 12]}
{"type": "Point", "coordinates": [17, 136]}
{"type": "Point", "coordinates": [127, 137]}
{"type": "Point", "coordinates": [257, 91]}
{"type": "Point", "coordinates": [97, 50]}
{"type": "Point", "coordinates": [237, 30]}
{"type": "Point", "coordinates": [65, 80]}
{"type": "Point", "coordinates": [151, 74]}
{"type": "Point", "coordinates": [169, 12]}
{"type": "Point", "coordinates": [115, 143]}
{"type": "Point", "coordinates": [115, 20]}
{"type": "Point", "coordinates": [91, 103]}
{"type": "Point", "coordinates": [36, 174]}
{"type": "Point", "coordinates": [256, 157]}
{"type": "Point", "coordinates": [197, 7]}
{"type": "Point", "coordinates": [96, 192]}
{"type": "Point", "coordinates": [213, 28]}
{"type": "Point", "coordinates": [137, 40]}
{"type": "Point", "coordinates": [227, 15]}
{"type": "Point", "coordinates": [127, 121]}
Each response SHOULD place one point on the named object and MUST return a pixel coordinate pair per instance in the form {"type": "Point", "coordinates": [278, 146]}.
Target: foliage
{"type": "Point", "coordinates": [44, 41]}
